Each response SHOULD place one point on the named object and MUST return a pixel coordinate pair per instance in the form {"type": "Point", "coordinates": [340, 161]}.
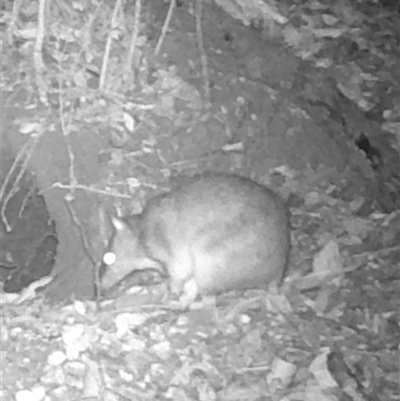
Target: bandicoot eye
{"type": "Point", "coordinates": [109, 258]}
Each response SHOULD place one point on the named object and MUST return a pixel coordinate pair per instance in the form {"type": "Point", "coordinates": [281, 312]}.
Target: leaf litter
{"type": "Point", "coordinates": [331, 333]}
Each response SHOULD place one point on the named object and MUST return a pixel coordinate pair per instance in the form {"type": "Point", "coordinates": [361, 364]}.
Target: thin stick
{"type": "Point", "coordinates": [107, 51]}
{"type": "Point", "coordinates": [37, 53]}
{"type": "Point", "coordinates": [70, 197]}
{"type": "Point", "coordinates": [165, 26]}
{"type": "Point", "coordinates": [203, 57]}
{"type": "Point", "coordinates": [20, 155]}
{"type": "Point", "coordinates": [90, 189]}
{"type": "Point", "coordinates": [132, 47]}
{"type": "Point", "coordinates": [25, 155]}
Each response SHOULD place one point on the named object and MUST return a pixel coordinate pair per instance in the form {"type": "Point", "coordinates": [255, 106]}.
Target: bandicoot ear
{"type": "Point", "coordinates": [103, 226]}
{"type": "Point", "coordinates": [118, 223]}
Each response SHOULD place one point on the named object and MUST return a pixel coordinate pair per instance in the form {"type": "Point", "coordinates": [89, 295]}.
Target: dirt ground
{"type": "Point", "coordinates": [232, 98]}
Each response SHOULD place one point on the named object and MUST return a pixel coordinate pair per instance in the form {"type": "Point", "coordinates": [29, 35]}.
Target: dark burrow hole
{"type": "Point", "coordinates": [28, 237]}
